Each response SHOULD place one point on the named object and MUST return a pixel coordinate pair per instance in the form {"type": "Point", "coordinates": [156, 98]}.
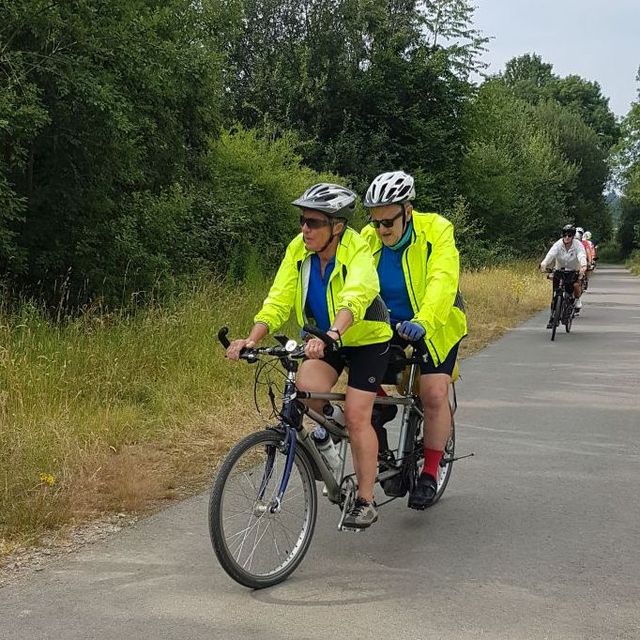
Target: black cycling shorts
{"type": "Point", "coordinates": [569, 279]}
{"type": "Point", "coordinates": [446, 366]}
{"type": "Point", "coordinates": [366, 364]}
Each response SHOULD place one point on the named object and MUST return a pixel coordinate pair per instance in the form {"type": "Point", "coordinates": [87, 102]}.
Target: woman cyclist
{"type": "Point", "coordinates": [567, 253]}
{"type": "Point", "coordinates": [328, 277]}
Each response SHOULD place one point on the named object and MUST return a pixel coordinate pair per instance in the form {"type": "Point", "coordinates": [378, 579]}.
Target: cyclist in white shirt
{"type": "Point", "coordinates": [567, 253]}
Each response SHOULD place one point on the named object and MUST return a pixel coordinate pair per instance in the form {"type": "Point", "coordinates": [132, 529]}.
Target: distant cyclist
{"type": "Point", "coordinates": [419, 267]}
{"type": "Point", "coordinates": [567, 253]}
{"type": "Point", "coordinates": [589, 248]}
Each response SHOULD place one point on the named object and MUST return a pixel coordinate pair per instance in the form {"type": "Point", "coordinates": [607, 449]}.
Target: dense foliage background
{"type": "Point", "coordinates": [144, 141]}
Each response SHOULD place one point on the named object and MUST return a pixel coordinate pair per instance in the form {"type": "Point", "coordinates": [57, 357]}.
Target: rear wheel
{"type": "Point", "coordinates": [567, 312]}
{"type": "Point", "coordinates": [446, 464]}
{"type": "Point", "coordinates": [259, 541]}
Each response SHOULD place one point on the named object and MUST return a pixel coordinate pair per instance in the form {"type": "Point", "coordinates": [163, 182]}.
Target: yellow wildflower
{"type": "Point", "coordinates": [48, 478]}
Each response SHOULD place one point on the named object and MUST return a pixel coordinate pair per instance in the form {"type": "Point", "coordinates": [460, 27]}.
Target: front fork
{"type": "Point", "coordinates": [291, 423]}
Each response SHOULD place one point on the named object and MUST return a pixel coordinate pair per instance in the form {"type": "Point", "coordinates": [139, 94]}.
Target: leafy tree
{"type": "Point", "coordinates": [627, 163]}
{"type": "Point", "coordinates": [528, 77]}
{"type": "Point", "coordinates": [368, 85]}
{"type": "Point", "coordinates": [580, 145]}
{"type": "Point", "coordinates": [534, 81]}
{"type": "Point", "coordinates": [121, 96]}
{"type": "Point", "coordinates": [515, 178]}
{"type": "Point", "coordinates": [585, 98]}
{"type": "Point", "coordinates": [449, 24]}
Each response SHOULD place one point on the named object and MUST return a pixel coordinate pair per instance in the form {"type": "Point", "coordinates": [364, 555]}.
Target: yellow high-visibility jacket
{"type": "Point", "coordinates": [353, 285]}
{"type": "Point", "coordinates": [431, 266]}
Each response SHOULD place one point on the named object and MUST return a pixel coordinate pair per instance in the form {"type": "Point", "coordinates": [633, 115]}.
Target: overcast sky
{"type": "Point", "coordinates": [596, 39]}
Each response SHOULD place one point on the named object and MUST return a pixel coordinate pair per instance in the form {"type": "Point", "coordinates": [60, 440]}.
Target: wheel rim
{"type": "Point", "coordinates": [261, 536]}
{"type": "Point", "coordinates": [444, 469]}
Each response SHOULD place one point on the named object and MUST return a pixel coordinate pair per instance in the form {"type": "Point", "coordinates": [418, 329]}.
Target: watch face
{"type": "Point", "coordinates": [290, 346]}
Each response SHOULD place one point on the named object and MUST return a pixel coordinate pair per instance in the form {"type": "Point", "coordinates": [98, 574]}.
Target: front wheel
{"type": "Point", "coordinates": [557, 311]}
{"type": "Point", "coordinates": [258, 540]}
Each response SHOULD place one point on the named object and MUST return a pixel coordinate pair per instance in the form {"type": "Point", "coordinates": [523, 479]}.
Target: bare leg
{"type": "Point", "coordinates": [318, 376]}
{"type": "Point", "coordinates": [364, 443]}
{"type": "Point", "coordinates": [434, 393]}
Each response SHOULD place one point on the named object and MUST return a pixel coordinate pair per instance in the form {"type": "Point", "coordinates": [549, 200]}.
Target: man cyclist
{"type": "Point", "coordinates": [328, 277]}
{"type": "Point", "coordinates": [418, 266]}
{"type": "Point", "coordinates": [567, 253]}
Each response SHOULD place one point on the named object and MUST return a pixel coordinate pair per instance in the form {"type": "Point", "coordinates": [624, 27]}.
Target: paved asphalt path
{"type": "Point", "coordinates": [537, 536]}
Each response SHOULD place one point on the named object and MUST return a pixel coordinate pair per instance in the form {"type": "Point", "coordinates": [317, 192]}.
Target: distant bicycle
{"type": "Point", "coordinates": [563, 303]}
{"type": "Point", "coordinates": [585, 281]}
{"type": "Point", "coordinates": [263, 504]}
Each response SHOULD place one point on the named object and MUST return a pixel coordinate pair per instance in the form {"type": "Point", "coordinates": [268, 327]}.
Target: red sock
{"type": "Point", "coordinates": [432, 459]}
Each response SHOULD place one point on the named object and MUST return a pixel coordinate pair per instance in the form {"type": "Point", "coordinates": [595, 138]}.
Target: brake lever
{"type": "Point", "coordinates": [314, 331]}
{"type": "Point", "coordinates": [281, 338]}
{"type": "Point", "coordinates": [222, 337]}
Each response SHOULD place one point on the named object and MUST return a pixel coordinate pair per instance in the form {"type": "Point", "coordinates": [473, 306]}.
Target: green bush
{"type": "Point", "coordinates": [244, 211]}
{"type": "Point", "coordinates": [610, 252]}
{"type": "Point", "coordinates": [633, 263]}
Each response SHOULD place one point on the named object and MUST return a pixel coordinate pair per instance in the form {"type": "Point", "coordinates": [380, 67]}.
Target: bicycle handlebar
{"type": "Point", "coordinates": [419, 346]}
{"type": "Point", "coordinates": [286, 349]}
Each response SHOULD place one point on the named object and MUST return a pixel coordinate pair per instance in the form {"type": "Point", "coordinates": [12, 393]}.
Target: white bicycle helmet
{"type": "Point", "coordinates": [579, 232]}
{"type": "Point", "coordinates": [331, 199]}
{"type": "Point", "coordinates": [587, 235]}
{"type": "Point", "coordinates": [390, 188]}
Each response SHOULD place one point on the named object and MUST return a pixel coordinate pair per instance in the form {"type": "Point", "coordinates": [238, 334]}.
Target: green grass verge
{"type": "Point", "coordinates": [114, 412]}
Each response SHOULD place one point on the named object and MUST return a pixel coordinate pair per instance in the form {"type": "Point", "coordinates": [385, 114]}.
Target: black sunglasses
{"type": "Point", "coordinates": [568, 233]}
{"type": "Point", "coordinates": [387, 222]}
{"type": "Point", "coordinates": [314, 223]}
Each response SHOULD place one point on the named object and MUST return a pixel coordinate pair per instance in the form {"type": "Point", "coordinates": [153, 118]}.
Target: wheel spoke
{"type": "Point", "coordinates": [254, 536]}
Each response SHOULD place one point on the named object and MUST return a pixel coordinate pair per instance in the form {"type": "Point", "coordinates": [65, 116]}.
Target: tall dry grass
{"type": "Point", "coordinates": [498, 298]}
{"type": "Point", "coordinates": [118, 413]}
{"type": "Point", "coordinates": [106, 412]}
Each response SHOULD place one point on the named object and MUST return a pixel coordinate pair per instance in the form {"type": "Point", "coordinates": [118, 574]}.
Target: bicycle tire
{"type": "Point", "coordinates": [569, 322]}
{"type": "Point", "coordinates": [242, 467]}
{"type": "Point", "coordinates": [557, 313]}
{"type": "Point", "coordinates": [446, 465]}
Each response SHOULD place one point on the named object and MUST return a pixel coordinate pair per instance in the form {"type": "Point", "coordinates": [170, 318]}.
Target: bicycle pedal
{"type": "Point", "coordinates": [350, 529]}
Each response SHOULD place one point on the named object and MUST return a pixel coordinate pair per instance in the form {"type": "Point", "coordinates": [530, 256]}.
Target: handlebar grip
{"type": "Point", "coordinates": [222, 337]}
{"type": "Point", "coordinates": [314, 331]}
{"type": "Point", "coordinates": [421, 347]}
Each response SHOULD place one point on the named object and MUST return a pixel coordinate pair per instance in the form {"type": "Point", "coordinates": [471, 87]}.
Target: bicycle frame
{"type": "Point", "coordinates": [274, 483]}
{"type": "Point", "coordinates": [561, 289]}
{"type": "Point", "coordinates": [291, 414]}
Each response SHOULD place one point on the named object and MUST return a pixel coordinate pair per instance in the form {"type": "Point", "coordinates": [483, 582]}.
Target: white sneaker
{"type": "Point", "coordinates": [578, 304]}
